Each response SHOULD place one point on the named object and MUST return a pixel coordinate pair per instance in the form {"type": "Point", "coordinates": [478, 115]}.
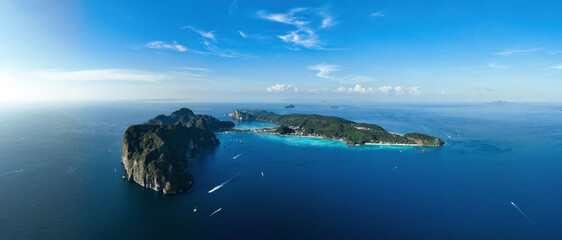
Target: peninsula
{"type": "Point", "coordinates": [156, 153]}
{"type": "Point", "coordinates": [352, 133]}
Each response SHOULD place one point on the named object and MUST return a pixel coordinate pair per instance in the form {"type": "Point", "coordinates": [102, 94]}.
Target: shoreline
{"type": "Point", "coordinates": [320, 137]}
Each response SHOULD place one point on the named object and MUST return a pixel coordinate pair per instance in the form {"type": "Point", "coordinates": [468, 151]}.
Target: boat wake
{"type": "Point", "coordinates": [16, 171]}
{"type": "Point", "coordinates": [216, 211]}
{"type": "Point", "coordinates": [527, 217]}
{"type": "Point", "coordinates": [235, 157]}
{"type": "Point", "coordinates": [225, 182]}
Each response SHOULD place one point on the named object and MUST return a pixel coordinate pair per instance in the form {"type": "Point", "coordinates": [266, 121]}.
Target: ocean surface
{"type": "Point", "coordinates": [499, 176]}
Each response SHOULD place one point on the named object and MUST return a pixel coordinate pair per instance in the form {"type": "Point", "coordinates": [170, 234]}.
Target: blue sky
{"type": "Point", "coordinates": [275, 51]}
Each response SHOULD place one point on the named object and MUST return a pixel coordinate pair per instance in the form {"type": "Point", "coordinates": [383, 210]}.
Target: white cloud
{"type": "Point", "coordinates": [557, 67]}
{"type": "Point", "coordinates": [341, 90]}
{"type": "Point", "coordinates": [282, 88]}
{"type": "Point", "coordinates": [358, 89]}
{"type": "Point", "coordinates": [377, 14]}
{"type": "Point", "coordinates": [287, 18]}
{"type": "Point", "coordinates": [211, 49]}
{"type": "Point", "coordinates": [442, 92]}
{"type": "Point", "coordinates": [324, 69]}
{"type": "Point", "coordinates": [414, 91]}
{"type": "Point", "coordinates": [169, 46]}
{"type": "Point", "coordinates": [214, 50]}
{"type": "Point", "coordinates": [301, 37]}
{"type": "Point", "coordinates": [302, 18]}
{"type": "Point", "coordinates": [327, 20]}
{"type": "Point", "coordinates": [242, 34]}
{"type": "Point", "coordinates": [101, 75]}
{"type": "Point", "coordinates": [494, 65]}
{"type": "Point", "coordinates": [511, 52]}
{"type": "Point", "coordinates": [385, 89]}
{"type": "Point", "coordinates": [209, 35]}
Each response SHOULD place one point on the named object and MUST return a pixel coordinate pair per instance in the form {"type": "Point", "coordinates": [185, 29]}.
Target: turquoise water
{"type": "Point", "coordinates": [60, 176]}
{"type": "Point", "coordinates": [248, 125]}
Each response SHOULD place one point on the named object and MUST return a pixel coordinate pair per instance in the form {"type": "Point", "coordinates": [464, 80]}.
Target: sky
{"type": "Point", "coordinates": [281, 51]}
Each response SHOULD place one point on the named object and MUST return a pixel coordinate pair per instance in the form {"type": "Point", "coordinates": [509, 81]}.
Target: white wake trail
{"type": "Point", "coordinates": [527, 217]}
{"type": "Point", "coordinates": [216, 211]}
{"type": "Point", "coordinates": [16, 171]}
{"type": "Point", "coordinates": [225, 182]}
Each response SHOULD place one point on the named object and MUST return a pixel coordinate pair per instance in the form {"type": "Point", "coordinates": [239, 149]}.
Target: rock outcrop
{"type": "Point", "coordinates": [156, 154]}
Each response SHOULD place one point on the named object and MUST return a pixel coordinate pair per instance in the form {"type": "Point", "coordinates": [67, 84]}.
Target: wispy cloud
{"type": "Point", "coordinates": [557, 67]}
{"type": "Point", "coordinates": [377, 14]}
{"type": "Point", "coordinates": [442, 92]}
{"type": "Point", "coordinates": [242, 34]}
{"type": "Point", "coordinates": [324, 69]}
{"type": "Point", "coordinates": [168, 46]}
{"type": "Point", "coordinates": [214, 50]}
{"type": "Point", "coordinates": [517, 51]}
{"type": "Point", "coordinates": [101, 75]}
{"type": "Point", "coordinates": [233, 7]}
{"type": "Point", "coordinates": [209, 35]}
{"type": "Point", "coordinates": [301, 37]}
{"type": "Point", "coordinates": [398, 90]}
{"type": "Point", "coordinates": [494, 65]}
{"type": "Point", "coordinates": [210, 47]}
{"type": "Point", "coordinates": [305, 34]}
{"type": "Point", "coordinates": [282, 88]}
{"type": "Point", "coordinates": [327, 20]}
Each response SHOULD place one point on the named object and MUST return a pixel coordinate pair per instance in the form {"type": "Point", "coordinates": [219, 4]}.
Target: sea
{"type": "Point", "coordinates": [499, 175]}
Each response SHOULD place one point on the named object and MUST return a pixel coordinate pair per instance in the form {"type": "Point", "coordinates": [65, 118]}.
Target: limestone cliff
{"type": "Point", "coordinates": [156, 154]}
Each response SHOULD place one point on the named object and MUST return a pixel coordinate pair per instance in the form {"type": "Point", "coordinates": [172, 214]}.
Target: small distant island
{"type": "Point", "coordinates": [352, 133]}
{"type": "Point", "coordinates": [156, 153]}
{"type": "Point", "coordinates": [290, 106]}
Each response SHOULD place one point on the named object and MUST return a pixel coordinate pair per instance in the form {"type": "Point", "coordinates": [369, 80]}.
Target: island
{"type": "Point", "coordinates": [352, 133]}
{"type": "Point", "coordinates": [156, 154]}
{"type": "Point", "coordinates": [290, 106]}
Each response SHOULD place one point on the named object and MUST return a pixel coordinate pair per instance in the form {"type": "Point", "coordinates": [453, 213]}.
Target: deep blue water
{"type": "Point", "coordinates": [60, 176]}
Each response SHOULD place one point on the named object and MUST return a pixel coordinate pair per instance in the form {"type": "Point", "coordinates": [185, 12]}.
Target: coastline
{"type": "Point", "coordinates": [271, 132]}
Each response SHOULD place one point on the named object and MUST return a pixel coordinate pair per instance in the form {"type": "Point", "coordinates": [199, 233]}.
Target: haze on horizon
{"type": "Point", "coordinates": [258, 51]}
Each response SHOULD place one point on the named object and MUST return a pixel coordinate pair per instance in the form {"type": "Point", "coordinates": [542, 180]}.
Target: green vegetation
{"type": "Point", "coordinates": [156, 154]}
{"type": "Point", "coordinates": [187, 118]}
{"type": "Point", "coordinates": [336, 128]}
{"type": "Point", "coordinates": [283, 130]}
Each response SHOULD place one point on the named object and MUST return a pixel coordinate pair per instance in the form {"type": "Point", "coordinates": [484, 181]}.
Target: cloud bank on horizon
{"type": "Point", "coordinates": [220, 51]}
